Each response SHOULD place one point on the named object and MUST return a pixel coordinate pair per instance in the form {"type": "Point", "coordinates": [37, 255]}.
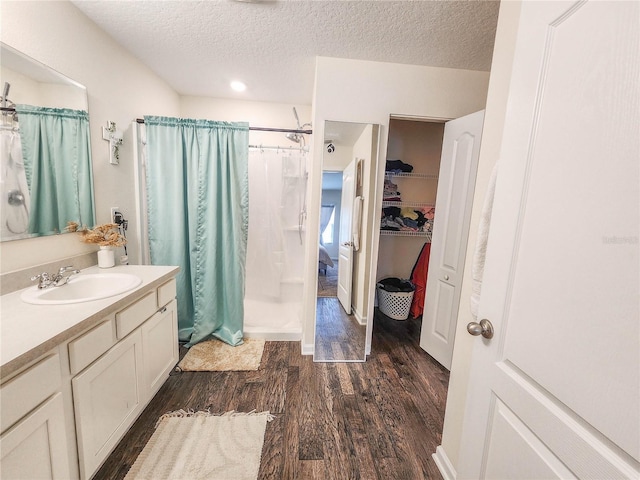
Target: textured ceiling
{"type": "Point", "coordinates": [198, 47]}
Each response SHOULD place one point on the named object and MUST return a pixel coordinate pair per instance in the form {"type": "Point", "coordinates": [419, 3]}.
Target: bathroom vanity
{"type": "Point", "coordinates": [74, 377]}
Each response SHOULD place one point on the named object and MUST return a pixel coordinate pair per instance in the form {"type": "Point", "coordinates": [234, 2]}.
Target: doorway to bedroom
{"type": "Point", "coordinates": [329, 234]}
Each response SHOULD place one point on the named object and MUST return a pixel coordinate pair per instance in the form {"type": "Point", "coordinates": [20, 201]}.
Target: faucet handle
{"type": "Point", "coordinates": [44, 279]}
{"type": "Point", "coordinates": [66, 269]}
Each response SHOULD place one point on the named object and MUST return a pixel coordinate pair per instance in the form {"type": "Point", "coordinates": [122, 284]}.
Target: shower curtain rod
{"type": "Point", "coordinates": [263, 129]}
{"type": "Point", "coordinates": [278, 147]}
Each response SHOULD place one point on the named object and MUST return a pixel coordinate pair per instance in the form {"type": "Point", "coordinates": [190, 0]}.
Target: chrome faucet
{"type": "Point", "coordinates": [43, 280]}
{"type": "Point", "coordinates": [57, 279]}
{"type": "Point", "coordinates": [63, 275]}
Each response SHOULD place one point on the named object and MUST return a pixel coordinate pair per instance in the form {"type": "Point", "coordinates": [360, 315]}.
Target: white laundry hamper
{"type": "Point", "coordinates": [394, 305]}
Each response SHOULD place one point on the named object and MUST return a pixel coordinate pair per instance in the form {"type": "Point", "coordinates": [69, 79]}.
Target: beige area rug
{"type": "Point", "coordinates": [217, 356]}
{"type": "Point", "coordinates": [199, 445]}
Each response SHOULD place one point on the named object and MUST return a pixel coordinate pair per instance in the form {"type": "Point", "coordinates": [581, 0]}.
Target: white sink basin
{"type": "Point", "coordinates": [82, 288]}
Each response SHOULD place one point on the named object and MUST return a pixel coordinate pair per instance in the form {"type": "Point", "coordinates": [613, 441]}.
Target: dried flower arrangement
{"type": "Point", "coordinates": [106, 235]}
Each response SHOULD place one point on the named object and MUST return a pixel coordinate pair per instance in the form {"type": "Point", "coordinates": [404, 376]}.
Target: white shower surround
{"type": "Point", "coordinates": [275, 249]}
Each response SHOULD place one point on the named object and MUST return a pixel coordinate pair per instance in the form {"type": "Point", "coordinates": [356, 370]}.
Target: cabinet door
{"type": "Point", "coordinates": [108, 396]}
{"type": "Point", "coordinates": [36, 447]}
{"type": "Point", "coordinates": [159, 347]}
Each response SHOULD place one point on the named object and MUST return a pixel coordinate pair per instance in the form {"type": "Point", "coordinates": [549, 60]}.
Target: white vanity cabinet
{"type": "Point", "coordinates": [111, 392]}
{"type": "Point", "coordinates": [66, 403]}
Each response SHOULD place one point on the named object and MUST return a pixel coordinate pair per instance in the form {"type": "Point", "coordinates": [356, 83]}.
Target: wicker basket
{"type": "Point", "coordinates": [394, 305]}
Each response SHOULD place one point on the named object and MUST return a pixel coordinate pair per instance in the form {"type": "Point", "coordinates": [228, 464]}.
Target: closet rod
{"type": "Point", "coordinates": [264, 129]}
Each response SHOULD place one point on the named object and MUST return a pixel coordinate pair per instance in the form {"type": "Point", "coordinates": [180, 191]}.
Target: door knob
{"type": "Point", "coordinates": [446, 277]}
{"type": "Point", "coordinates": [484, 328]}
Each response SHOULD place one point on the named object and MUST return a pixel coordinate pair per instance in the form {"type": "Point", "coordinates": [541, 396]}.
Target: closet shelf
{"type": "Point", "coordinates": [422, 176]}
{"type": "Point", "coordinates": [406, 233]}
{"type": "Point", "coordinates": [407, 204]}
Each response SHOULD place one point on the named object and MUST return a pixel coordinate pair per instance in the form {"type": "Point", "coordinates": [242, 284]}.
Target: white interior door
{"type": "Point", "coordinates": [345, 248]}
{"type": "Point", "coordinates": [555, 393]}
{"type": "Point", "coordinates": [457, 177]}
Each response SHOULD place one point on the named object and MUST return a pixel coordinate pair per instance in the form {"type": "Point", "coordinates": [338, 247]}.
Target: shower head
{"type": "Point", "coordinates": [5, 94]}
{"type": "Point", "coordinates": [296, 136]}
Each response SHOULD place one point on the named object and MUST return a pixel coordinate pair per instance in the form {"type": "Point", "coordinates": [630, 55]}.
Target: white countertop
{"type": "Point", "coordinates": [29, 331]}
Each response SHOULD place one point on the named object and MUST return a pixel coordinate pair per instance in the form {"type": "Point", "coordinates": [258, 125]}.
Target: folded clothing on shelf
{"type": "Point", "coordinates": [398, 166]}
{"type": "Point", "coordinates": [391, 193]}
{"type": "Point", "coordinates": [392, 197]}
{"type": "Point", "coordinates": [414, 219]}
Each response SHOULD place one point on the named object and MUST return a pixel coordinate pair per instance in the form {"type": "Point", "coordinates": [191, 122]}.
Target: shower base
{"type": "Point", "coordinates": [272, 320]}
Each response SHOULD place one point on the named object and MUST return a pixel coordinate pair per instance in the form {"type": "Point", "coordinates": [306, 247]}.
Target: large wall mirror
{"type": "Point", "coordinates": [349, 167]}
{"type": "Point", "coordinates": [46, 175]}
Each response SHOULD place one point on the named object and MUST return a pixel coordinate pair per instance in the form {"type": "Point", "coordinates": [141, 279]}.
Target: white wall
{"type": "Point", "coordinates": [119, 87]}
{"type": "Point", "coordinates": [489, 154]}
{"type": "Point", "coordinates": [25, 89]}
{"type": "Point", "coordinates": [337, 160]}
{"type": "Point", "coordinates": [369, 92]}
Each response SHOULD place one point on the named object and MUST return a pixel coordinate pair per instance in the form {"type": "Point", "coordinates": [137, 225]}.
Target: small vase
{"type": "Point", "coordinates": [106, 257]}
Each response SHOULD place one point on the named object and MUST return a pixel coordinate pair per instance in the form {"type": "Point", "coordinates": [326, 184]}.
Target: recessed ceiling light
{"type": "Point", "coordinates": [238, 86]}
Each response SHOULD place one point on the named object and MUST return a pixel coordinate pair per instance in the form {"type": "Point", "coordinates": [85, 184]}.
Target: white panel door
{"type": "Point", "coordinates": [36, 447]}
{"type": "Point", "coordinates": [457, 177]}
{"type": "Point", "coordinates": [555, 393]}
{"type": "Point", "coordinates": [159, 347]}
{"type": "Point", "coordinates": [345, 248]}
{"type": "Point", "coordinates": [107, 398]}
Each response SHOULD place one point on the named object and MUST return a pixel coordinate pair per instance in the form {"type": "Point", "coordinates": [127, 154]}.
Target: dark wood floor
{"type": "Point", "coordinates": [338, 336]}
{"type": "Point", "coordinates": [328, 282]}
{"type": "Point", "coordinates": [381, 419]}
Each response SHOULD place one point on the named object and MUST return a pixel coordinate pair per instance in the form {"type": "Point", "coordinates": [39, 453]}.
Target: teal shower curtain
{"type": "Point", "coordinates": [198, 197]}
{"type": "Point", "coordinates": [57, 161]}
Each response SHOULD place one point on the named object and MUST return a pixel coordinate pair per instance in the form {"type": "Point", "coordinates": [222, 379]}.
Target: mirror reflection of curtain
{"type": "Point", "coordinates": [325, 216]}
{"type": "Point", "coordinates": [57, 162]}
{"type": "Point", "coordinates": [14, 188]}
{"type": "Point", "coordinates": [197, 198]}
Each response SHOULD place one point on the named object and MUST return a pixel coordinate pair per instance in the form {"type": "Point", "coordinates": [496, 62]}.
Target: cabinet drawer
{"type": "Point", "coordinates": [166, 292]}
{"type": "Point", "coordinates": [135, 314]}
{"type": "Point", "coordinates": [28, 390]}
{"type": "Point", "coordinates": [87, 348]}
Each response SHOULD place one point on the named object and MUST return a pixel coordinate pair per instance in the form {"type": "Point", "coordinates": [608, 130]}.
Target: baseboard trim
{"type": "Point", "coordinates": [444, 465]}
{"type": "Point", "coordinates": [307, 348]}
{"type": "Point", "coordinates": [361, 320]}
